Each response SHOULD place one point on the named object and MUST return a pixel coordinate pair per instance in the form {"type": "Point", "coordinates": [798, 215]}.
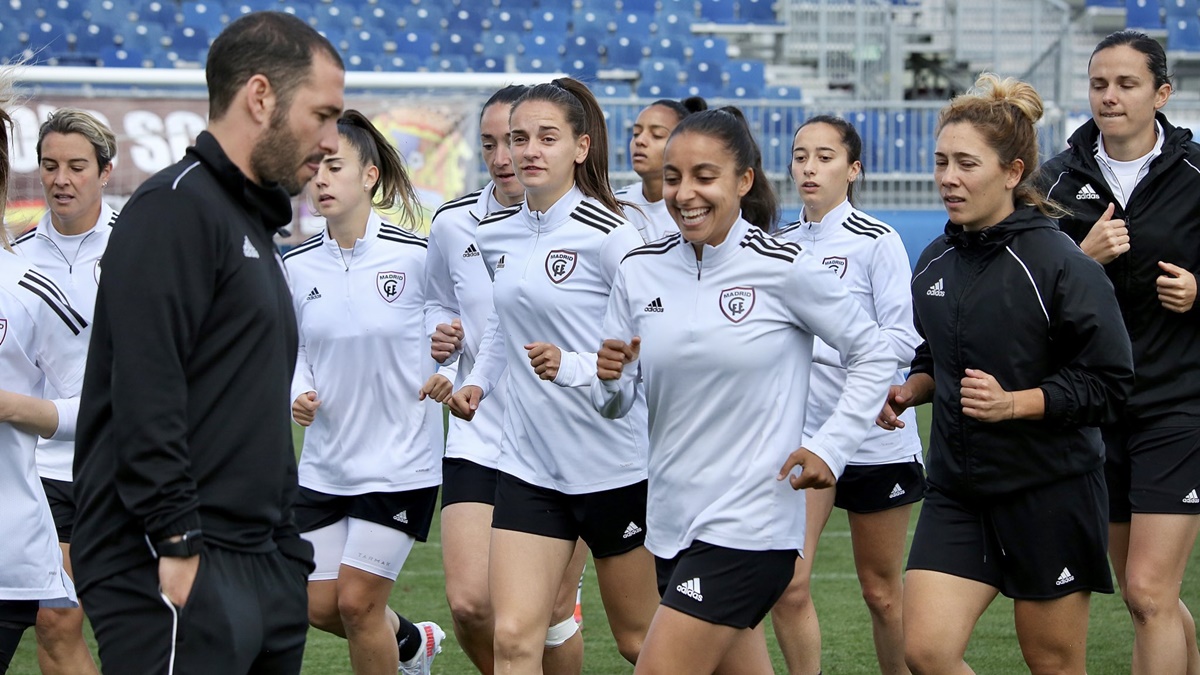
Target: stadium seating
{"type": "Point", "coordinates": [1144, 15]}
{"type": "Point", "coordinates": [1183, 33]}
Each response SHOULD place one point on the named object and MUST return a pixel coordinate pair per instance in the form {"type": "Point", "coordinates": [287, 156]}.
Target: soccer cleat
{"type": "Point", "coordinates": [422, 663]}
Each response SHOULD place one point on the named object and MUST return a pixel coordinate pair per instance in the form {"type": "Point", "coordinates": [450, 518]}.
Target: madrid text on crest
{"type": "Point", "coordinates": [560, 264]}
{"type": "Point", "coordinates": [390, 285]}
{"type": "Point", "coordinates": [836, 263]}
{"type": "Point", "coordinates": [737, 302]}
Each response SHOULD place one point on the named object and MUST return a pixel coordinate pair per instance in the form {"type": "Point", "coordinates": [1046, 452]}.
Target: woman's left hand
{"type": "Point", "coordinates": [545, 359]}
{"type": "Point", "coordinates": [984, 399]}
{"type": "Point", "coordinates": [437, 387]}
{"type": "Point", "coordinates": [1176, 288]}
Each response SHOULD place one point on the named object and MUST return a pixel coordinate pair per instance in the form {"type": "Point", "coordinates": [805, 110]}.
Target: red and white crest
{"type": "Point", "coordinates": [390, 285]}
{"type": "Point", "coordinates": [560, 264]}
{"type": "Point", "coordinates": [737, 302]}
{"type": "Point", "coordinates": [836, 263]}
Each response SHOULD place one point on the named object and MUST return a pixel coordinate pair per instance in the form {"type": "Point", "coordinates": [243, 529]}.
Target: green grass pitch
{"type": "Point", "coordinates": [845, 625]}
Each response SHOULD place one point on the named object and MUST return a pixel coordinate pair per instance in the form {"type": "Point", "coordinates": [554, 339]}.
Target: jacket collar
{"type": "Point", "coordinates": [1025, 218]}
{"type": "Point", "coordinates": [270, 201]}
{"type": "Point", "coordinates": [816, 230]}
{"type": "Point", "coordinates": [1083, 145]}
{"type": "Point", "coordinates": [361, 246]}
{"type": "Point", "coordinates": [556, 215]}
{"type": "Point", "coordinates": [715, 255]}
{"type": "Point", "coordinates": [103, 223]}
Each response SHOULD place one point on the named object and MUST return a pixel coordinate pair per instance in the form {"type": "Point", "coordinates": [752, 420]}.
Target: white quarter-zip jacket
{"type": "Point", "coordinates": [458, 284]}
{"type": "Point", "coordinates": [74, 264]}
{"type": "Point", "coordinates": [870, 259]}
{"type": "Point", "coordinates": [43, 343]}
{"type": "Point", "coordinates": [725, 359]}
{"type": "Point", "coordinates": [553, 273]}
{"type": "Point", "coordinates": [364, 350]}
{"type": "Point", "coordinates": [651, 219]}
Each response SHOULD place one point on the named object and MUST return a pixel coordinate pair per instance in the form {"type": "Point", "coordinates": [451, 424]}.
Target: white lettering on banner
{"type": "Point", "coordinates": [24, 140]}
{"type": "Point", "coordinates": [150, 152]}
{"type": "Point", "coordinates": [183, 126]}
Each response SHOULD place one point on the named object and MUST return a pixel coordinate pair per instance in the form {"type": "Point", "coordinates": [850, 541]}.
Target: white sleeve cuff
{"type": "Point", "coordinates": [68, 414]}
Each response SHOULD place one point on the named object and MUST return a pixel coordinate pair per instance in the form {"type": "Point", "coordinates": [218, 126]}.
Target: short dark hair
{"type": "Point", "coordinates": [728, 125]}
{"type": "Point", "coordinates": [276, 45]}
{"type": "Point", "coordinates": [689, 105]}
{"type": "Point", "coordinates": [505, 95]}
{"type": "Point", "coordinates": [1156, 58]}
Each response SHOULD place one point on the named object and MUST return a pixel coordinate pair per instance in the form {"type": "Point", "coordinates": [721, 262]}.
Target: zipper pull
{"type": "Point", "coordinates": [699, 266]}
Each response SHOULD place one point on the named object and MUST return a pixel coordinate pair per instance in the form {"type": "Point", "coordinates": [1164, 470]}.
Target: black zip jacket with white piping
{"type": "Point", "coordinates": [1022, 303]}
{"type": "Point", "coordinates": [1163, 218]}
{"type": "Point", "coordinates": [185, 420]}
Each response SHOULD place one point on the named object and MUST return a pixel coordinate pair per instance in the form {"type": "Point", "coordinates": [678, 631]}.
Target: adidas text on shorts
{"type": "Point", "coordinates": [1152, 469]}
{"type": "Point", "coordinates": [724, 586]}
{"type": "Point", "coordinates": [868, 488]}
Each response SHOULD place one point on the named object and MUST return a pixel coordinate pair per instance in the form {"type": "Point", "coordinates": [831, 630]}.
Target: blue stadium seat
{"type": "Point", "coordinates": [708, 77]}
{"type": "Point", "coordinates": [536, 64]}
{"type": "Point", "coordinates": [592, 23]}
{"type": "Point", "coordinates": [1144, 15]}
{"type": "Point", "coordinates": [672, 90]}
{"type": "Point", "coordinates": [47, 39]}
{"type": "Point", "coordinates": [1105, 3]}
{"type": "Point", "coordinates": [163, 60]}
{"type": "Point", "coordinates": [757, 11]}
{"type": "Point", "coordinates": [61, 11]}
{"type": "Point", "coordinates": [92, 38]}
{"type": "Point", "coordinates": [547, 20]}
{"type": "Point", "coordinates": [116, 57]}
{"type": "Point", "coordinates": [668, 48]}
{"type": "Point", "coordinates": [1183, 34]}
{"type": "Point", "coordinates": [482, 63]}
{"type": "Point", "coordinates": [238, 7]}
{"type": "Point", "coordinates": [464, 20]}
{"type": "Point", "coordinates": [718, 11]}
{"type": "Point", "coordinates": [546, 47]}
{"type": "Point", "coordinates": [301, 10]}
{"type": "Point", "coordinates": [188, 44]}
{"type": "Point", "coordinates": [746, 79]}
{"type": "Point", "coordinates": [400, 63]}
{"type": "Point", "coordinates": [783, 93]}
{"type": "Point", "coordinates": [10, 39]}
{"type": "Point", "coordinates": [336, 37]}
{"type": "Point", "coordinates": [144, 37]}
{"type": "Point", "coordinates": [506, 20]}
{"type": "Point", "coordinates": [204, 14]}
{"type": "Point", "coordinates": [580, 68]}
{"type": "Point", "coordinates": [19, 12]}
{"type": "Point", "coordinates": [624, 52]}
{"type": "Point", "coordinates": [447, 64]}
{"type": "Point", "coordinates": [713, 50]}
{"type": "Point", "coordinates": [1181, 9]}
{"type": "Point", "coordinates": [500, 45]}
{"type": "Point", "coordinates": [610, 89]}
{"type": "Point", "coordinates": [424, 18]}
{"type": "Point", "coordinates": [675, 25]}
{"type": "Point", "coordinates": [556, 5]}
{"type": "Point", "coordinates": [636, 25]}
{"type": "Point", "coordinates": [161, 12]}
{"type": "Point", "coordinates": [335, 15]}
{"type": "Point", "coordinates": [454, 43]}
{"type": "Point", "coordinates": [381, 17]}
{"type": "Point", "coordinates": [415, 43]}
{"type": "Point", "coordinates": [109, 12]}
{"type": "Point", "coordinates": [365, 41]}
{"type": "Point", "coordinates": [77, 60]}
{"type": "Point", "coordinates": [363, 61]}
{"type": "Point", "coordinates": [582, 48]}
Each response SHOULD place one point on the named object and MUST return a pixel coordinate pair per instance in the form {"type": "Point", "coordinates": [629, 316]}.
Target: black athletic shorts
{"type": "Point", "coordinates": [18, 614]}
{"type": "Point", "coordinates": [879, 487]}
{"type": "Point", "coordinates": [1040, 543]}
{"type": "Point", "coordinates": [61, 495]}
{"type": "Point", "coordinates": [466, 481]}
{"type": "Point", "coordinates": [725, 586]}
{"type": "Point", "coordinates": [1152, 469]}
{"type": "Point", "coordinates": [410, 511]}
{"type": "Point", "coordinates": [611, 522]}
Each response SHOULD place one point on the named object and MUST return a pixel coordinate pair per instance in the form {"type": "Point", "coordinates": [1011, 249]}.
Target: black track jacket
{"type": "Point", "coordinates": [1163, 217]}
{"type": "Point", "coordinates": [184, 421]}
{"type": "Point", "coordinates": [1021, 302]}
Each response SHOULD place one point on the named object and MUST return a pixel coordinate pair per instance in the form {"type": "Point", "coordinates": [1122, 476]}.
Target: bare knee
{"type": "Point", "coordinates": [629, 644]}
{"type": "Point", "coordinates": [469, 609]}
{"type": "Point", "coordinates": [882, 598]}
{"type": "Point", "coordinates": [515, 641]}
{"type": "Point", "coordinates": [358, 612]}
{"type": "Point", "coordinates": [58, 626]}
{"type": "Point", "coordinates": [927, 657]}
{"type": "Point", "coordinates": [324, 616]}
{"type": "Point", "coordinates": [796, 598]}
{"type": "Point", "coordinates": [1146, 600]}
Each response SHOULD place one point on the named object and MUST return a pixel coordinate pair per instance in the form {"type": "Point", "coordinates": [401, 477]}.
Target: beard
{"type": "Point", "coordinates": [277, 158]}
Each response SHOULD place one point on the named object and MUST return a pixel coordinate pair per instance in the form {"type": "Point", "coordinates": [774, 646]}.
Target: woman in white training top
{"type": "Point", "coordinates": [369, 470]}
{"type": "Point", "coordinates": [885, 477]}
{"type": "Point", "coordinates": [565, 471]}
{"type": "Point", "coordinates": [718, 323]}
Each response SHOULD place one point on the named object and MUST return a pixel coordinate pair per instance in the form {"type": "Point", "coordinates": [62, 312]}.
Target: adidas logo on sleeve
{"type": "Point", "coordinates": [1191, 498]}
{"type": "Point", "coordinates": [691, 589]}
{"type": "Point", "coordinates": [937, 290]}
{"type": "Point", "coordinates": [655, 306]}
{"type": "Point", "coordinates": [471, 252]}
{"type": "Point", "coordinates": [1065, 578]}
{"type": "Point", "coordinates": [631, 530]}
{"type": "Point", "coordinates": [313, 294]}
{"type": "Point", "coordinates": [1087, 192]}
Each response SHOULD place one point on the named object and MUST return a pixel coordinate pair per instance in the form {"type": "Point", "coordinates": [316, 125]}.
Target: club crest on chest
{"type": "Point", "coordinates": [560, 264]}
{"type": "Point", "coordinates": [836, 263]}
{"type": "Point", "coordinates": [737, 302]}
{"type": "Point", "coordinates": [390, 285]}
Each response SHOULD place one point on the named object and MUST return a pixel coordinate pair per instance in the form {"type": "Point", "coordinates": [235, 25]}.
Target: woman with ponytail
{"type": "Point", "coordinates": [1024, 356]}
{"type": "Point", "coordinates": [699, 322]}
{"type": "Point", "coordinates": [371, 463]}
{"type": "Point", "coordinates": [564, 471]}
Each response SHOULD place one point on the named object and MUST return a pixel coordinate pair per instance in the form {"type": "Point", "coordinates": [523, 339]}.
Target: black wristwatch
{"type": "Point", "coordinates": [189, 544]}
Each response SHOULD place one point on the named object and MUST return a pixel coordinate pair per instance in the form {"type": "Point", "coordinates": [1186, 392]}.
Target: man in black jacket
{"type": "Point", "coordinates": [185, 549]}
